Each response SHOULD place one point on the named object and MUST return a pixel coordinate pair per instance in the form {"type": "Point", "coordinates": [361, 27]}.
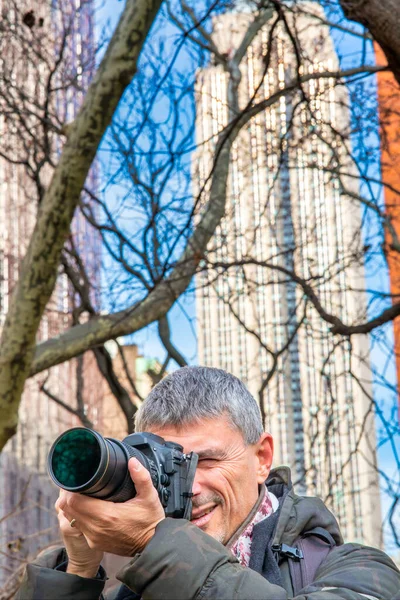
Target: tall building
{"type": "Point", "coordinates": [27, 516]}
{"type": "Point", "coordinates": [286, 208]}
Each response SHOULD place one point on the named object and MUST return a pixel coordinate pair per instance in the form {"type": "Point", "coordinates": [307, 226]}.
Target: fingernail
{"type": "Point", "coordinates": [136, 464]}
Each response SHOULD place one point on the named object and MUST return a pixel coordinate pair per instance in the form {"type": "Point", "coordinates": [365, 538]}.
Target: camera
{"type": "Point", "coordinates": [83, 461]}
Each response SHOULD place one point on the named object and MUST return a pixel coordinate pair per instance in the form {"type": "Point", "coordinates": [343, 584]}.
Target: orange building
{"type": "Point", "coordinates": [389, 114]}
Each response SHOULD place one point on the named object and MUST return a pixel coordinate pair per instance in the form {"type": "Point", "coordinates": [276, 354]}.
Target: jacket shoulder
{"type": "Point", "coordinates": [362, 569]}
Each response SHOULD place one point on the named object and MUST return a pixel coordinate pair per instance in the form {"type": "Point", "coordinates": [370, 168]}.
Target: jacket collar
{"type": "Point", "coordinates": [279, 480]}
{"type": "Point", "coordinates": [248, 519]}
{"type": "Point", "coordinates": [297, 514]}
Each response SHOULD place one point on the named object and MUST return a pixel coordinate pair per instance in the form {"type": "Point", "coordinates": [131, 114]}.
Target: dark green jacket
{"type": "Point", "coordinates": [181, 562]}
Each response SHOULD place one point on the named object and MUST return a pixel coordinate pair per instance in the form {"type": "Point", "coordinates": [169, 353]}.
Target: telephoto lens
{"type": "Point", "coordinates": [81, 460]}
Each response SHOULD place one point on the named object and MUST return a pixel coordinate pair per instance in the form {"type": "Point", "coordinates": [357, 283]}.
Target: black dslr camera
{"type": "Point", "coordinates": [81, 460]}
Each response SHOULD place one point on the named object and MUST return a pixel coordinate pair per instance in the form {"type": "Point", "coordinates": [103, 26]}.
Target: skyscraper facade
{"type": "Point", "coordinates": [286, 210]}
{"type": "Point", "coordinates": [66, 31]}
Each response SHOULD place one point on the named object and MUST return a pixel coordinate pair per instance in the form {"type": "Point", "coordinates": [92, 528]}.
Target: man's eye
{"type": "Point", "coordinates": [205, 461]}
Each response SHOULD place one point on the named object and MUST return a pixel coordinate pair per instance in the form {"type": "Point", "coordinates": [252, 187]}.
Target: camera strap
{"type": "Point", "coordinates": [193, 459]}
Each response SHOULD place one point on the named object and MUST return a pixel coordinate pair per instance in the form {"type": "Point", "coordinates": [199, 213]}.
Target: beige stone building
{"type": "Point", "coordinates": [286, 208]}
{"type": "Point", "coordinates": [137, 374]}
{"type": "Point", "coordinates": [27, 516]}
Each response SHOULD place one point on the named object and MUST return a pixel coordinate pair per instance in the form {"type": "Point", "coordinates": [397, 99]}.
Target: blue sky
{"type": "Point", "coordinates": [349, 49]}
{"type": "Point", "coordinates": [183, 313]}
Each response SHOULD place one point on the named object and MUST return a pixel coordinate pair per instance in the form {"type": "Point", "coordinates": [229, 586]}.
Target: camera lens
{"type": "Point", "coordinates": [81, 460]}
{"type": "Point", "coordinates": [76, 458]}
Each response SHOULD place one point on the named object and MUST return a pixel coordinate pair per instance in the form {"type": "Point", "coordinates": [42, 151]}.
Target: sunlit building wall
{"type": "Point", "coordinates": [26, 495]}
{"type": "Point", "coordinates": [286, 209]}
{"type": "Point", "coordinates": [137, 374]}
{"type": "Point", "coordinates": [389, 115]}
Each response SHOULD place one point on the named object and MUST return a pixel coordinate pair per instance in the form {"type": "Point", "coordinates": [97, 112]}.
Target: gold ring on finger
{"type": "Point", "coordinates": [72, 523]}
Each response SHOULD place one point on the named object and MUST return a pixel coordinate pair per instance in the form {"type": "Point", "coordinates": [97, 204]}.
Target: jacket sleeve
{"type": "Point", "coordinates": [352, 571]}
{"type": "Point", "coordinates": [42, 581]}
{"type": "Point", "coordinates": [181, 562]}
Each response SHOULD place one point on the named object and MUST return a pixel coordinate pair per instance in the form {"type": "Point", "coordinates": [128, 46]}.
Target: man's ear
{"type": "Point", "coordinates": [265, 453]}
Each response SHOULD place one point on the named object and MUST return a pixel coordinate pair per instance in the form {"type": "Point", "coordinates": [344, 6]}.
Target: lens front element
{"type": "Point", "coordinates": [76, 458]}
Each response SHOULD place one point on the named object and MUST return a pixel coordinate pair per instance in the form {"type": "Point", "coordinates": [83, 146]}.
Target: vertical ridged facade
{"type": "Point", "coordinates": [286, 209]}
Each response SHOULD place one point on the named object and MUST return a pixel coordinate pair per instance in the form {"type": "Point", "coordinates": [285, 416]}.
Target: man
{"type": "Point", "coordinates": [233, 548]}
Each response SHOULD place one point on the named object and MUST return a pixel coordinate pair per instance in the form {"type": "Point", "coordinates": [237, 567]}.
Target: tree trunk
{"type": "Point", "coordinates": [382, 19]}
{"type": "Point", "coordinates": [39, 268]}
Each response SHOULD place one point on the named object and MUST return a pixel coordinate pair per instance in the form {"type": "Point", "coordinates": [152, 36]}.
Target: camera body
{"type": "Point", "coordinates": [81, 460]}
{"type": "Point", "coordinates": [171, 470]}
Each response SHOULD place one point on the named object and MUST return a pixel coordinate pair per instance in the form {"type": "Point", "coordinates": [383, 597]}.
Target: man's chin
{"type": "Point", "coordinates": [210, 527]}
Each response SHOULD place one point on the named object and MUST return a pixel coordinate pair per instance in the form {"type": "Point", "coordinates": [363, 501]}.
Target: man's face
{"type": "Point", "coordinates": [228, 474]}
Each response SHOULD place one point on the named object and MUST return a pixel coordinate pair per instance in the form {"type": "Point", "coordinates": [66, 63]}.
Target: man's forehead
{"type": "Point", "coordinates": [203, 437]}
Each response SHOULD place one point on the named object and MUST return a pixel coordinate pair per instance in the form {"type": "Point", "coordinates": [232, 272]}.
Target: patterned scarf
{"type": "Point", "coordinates": [242, 547]}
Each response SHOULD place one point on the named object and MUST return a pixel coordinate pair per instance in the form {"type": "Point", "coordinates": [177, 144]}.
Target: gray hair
{"type": "Point", "coordinates": [192, 394]}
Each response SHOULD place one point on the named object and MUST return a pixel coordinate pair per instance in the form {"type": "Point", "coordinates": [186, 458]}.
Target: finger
{"type": "Point", "coordinates": [60, 500]}
{"type": "Point", "coordinates": [82, 506]}
{"type": "Point", "coordinates": [141, 478]}
{"type": "Point", "coordinates": [65, 525]}
{"type": "Point", "coordinates": [64, 499]}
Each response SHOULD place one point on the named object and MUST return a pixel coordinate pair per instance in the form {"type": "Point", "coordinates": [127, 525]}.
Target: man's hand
{"type": "Point", "coordinates": [120, 528]}
{"type": "Point", "coordinates": [82, 560]}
